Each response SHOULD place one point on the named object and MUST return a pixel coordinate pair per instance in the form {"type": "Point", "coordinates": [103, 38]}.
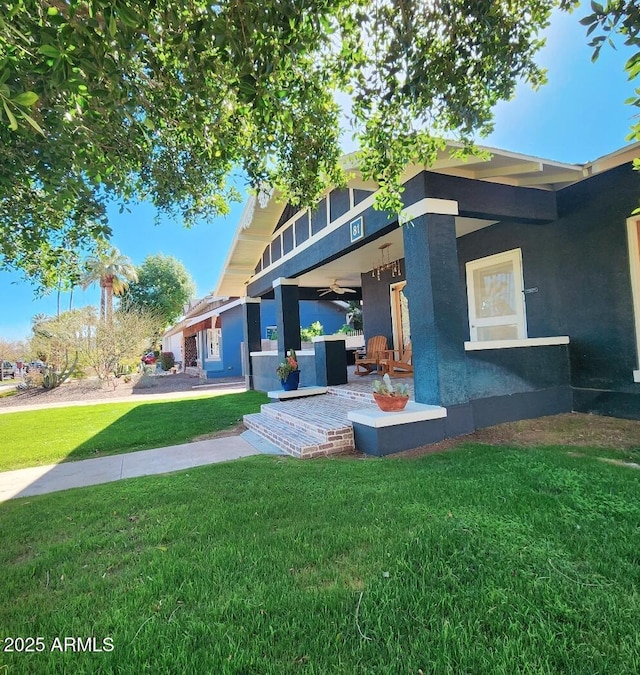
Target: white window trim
{"type": "Point", "coordinates": [514, 256]}
{"type": "Point", "coordinates": [634, 263]}
{"type": "Point", "coordinates": [211, 356]}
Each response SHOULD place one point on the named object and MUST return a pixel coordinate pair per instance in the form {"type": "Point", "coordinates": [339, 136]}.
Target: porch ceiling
{"type": "Point", "coordinates": [347, 269]}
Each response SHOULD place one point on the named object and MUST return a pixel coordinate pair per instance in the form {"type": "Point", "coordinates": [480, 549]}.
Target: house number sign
{"type": "Point", "coordinates": [357, 229]}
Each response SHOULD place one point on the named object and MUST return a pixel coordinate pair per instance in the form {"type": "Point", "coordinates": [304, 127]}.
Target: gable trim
{"type": "Point", "coordinates": [318, 236]}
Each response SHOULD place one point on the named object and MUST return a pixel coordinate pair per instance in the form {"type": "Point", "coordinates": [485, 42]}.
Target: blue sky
{"type": "Point", "coordinates": [579, 115]}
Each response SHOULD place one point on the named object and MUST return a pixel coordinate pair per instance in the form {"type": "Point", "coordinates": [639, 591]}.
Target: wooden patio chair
{"type": "Point", "coordinates": [368, 362]}
{"type": "Point", "coordinates": [397, 367]}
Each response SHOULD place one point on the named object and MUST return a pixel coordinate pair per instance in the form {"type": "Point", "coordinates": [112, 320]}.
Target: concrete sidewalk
{"type": "Point", "coordinates": [56, 477]}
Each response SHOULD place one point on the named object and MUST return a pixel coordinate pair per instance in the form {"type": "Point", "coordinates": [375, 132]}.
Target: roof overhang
{"type": "Point", "coordinates": [213, 313]}
{"type": "Point", "coordinates": [257, 223]}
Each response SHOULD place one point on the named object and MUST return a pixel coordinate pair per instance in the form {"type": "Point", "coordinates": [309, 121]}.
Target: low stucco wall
{"type": "Point", "coordinates": [506, 385]}
{"type": "Point", "coordinates": [264, 370]}
{"type": "Point", "coordinates": [500, 372]}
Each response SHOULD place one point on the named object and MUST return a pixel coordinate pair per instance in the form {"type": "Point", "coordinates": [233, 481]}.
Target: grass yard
{"type": "Point", "coordinates": [479, 560]}
{"type": "Point", "coordinates": [54, 435]}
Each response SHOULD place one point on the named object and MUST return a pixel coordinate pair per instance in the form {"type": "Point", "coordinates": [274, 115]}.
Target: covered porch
{"type": "Point", "coordinates": [466, 324]}
{"type": "Point", "coordinates": [507, 383]}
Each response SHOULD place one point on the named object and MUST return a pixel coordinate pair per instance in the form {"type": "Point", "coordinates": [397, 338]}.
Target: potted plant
{"type": "Point", "coordinates": [288, 373]}
{"type": "Point", "coordinates": [388, 397]}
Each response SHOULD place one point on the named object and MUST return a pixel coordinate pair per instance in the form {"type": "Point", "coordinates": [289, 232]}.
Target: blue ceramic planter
{"type": "Point", "coordinates": [292, 382]}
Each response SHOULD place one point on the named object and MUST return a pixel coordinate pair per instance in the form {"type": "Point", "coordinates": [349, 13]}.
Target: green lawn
{"type": "Point", "coordinates": [479, 560]}
{"type": "Point", "coordinates": [58, 434]}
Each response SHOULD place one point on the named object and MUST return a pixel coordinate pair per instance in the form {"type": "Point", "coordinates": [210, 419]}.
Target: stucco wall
{"type": "Point", "coordinates": [499, 372]}
{"type": "Point", "coordinates": [580, 266]}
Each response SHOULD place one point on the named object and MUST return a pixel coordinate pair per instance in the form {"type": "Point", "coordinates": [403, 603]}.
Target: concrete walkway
{"type": "Point", "coordinates": [55, 477]}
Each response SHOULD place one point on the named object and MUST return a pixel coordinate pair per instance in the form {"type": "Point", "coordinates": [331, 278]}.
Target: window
{"type": "Point", "coordinates": [214, 337]}
{"type": "Point", "coordinates": [496, 300]}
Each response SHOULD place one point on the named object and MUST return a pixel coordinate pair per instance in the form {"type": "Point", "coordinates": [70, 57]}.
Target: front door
{"type": "Point", "coordinates": [400, 316]}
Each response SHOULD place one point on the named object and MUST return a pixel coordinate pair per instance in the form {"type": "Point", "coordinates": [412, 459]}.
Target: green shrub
{"type": "Point", "coordinates": [167, 360]}
{"type": "Point", "coordinates": [311, 331]}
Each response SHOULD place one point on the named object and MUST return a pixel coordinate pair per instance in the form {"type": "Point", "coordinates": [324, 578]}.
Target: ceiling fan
{"type": "Point", "coordinates": [335, 288]}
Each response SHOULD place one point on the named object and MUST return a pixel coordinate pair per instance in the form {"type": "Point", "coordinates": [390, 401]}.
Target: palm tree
{"type": "Point", "coordinates": [114, 272]}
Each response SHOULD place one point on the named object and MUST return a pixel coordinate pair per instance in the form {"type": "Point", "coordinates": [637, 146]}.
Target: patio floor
{"type": "Point", "coordinates": [364, 383]}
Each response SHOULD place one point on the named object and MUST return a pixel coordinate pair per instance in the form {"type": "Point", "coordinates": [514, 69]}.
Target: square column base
{"type": "Point", "coordinates": [383, 433]}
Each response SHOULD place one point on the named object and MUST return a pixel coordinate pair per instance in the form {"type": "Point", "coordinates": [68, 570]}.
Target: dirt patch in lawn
{"type": "Point", "coordinates": [231, 431]}
{"type": "Point", "coordinates": [570, 429]}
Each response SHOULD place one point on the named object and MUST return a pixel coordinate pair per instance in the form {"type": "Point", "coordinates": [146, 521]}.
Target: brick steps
{"type": "Point", "coordinates": [310, 427]}
{"type": "Point", "coordinates": [286, 437]}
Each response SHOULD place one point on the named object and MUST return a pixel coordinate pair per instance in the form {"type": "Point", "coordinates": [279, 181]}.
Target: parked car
{"type": "Point", "coordinates": [8, 370]}
{"type": "Point", "coordinates": [35, 366]}
{"type": "Point", "coordinates": [149, 359]}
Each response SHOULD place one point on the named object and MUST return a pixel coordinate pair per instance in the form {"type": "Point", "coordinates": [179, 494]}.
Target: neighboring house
{"type": "Point", "coordinates": [187, 338]}
{"type": "Point", "coordinates": [517, 281]}
{"type": "Point", "coordinates": [209, 337]}
{"type": "Point", "coordinates": [173, 341]}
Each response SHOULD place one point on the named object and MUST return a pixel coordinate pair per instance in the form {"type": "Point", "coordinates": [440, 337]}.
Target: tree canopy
{"type": "Point", "coordinates": [618, 17]}
{"type": "Point", "coordinates": [113, 271]}
{"type": "Point", "coordinates": [106, 100]}
{"type": "Point", "coordinates": [163, 288]}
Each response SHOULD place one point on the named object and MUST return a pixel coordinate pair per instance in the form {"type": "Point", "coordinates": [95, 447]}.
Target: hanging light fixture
{"type": "Point", "coordinates": [385, 263]}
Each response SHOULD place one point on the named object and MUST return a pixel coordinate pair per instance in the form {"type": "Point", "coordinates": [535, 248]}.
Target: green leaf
{"type": "Point", "coordinates": [27, 98]}
{"type": "Point", "coordinates": [113, 26]}
{"type": "Point", "coordinates": [50, 51]}
{"type": "Point", "coordinates": [588, 20]}
{"type": "Point", "coordinates": [13, 122]}
{"type": "Point", "coordinates": [128, 17]}
{"type": "Point", "coordinates": [33, 123]}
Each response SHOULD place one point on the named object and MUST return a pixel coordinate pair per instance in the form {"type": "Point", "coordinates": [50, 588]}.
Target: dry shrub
{"type": "Point", "coordinates": [33, 379]}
